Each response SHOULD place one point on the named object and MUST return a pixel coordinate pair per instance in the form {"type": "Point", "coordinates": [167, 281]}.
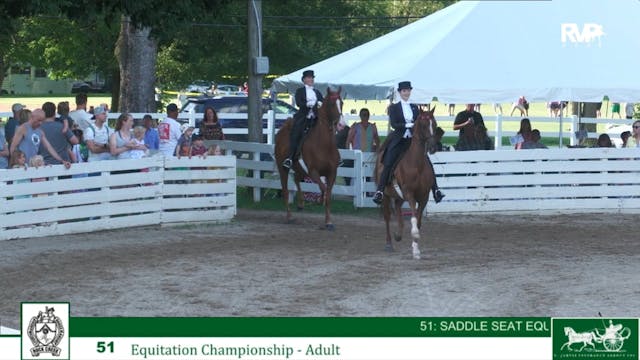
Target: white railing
{"type": "Point", "coordinates": [113, 194]}
{"type": "Point", "coordinates": [541, 180]}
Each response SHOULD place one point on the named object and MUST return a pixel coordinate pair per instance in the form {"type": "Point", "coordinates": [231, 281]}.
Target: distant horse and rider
{"type": "Point", "coordinates": [314, 125]}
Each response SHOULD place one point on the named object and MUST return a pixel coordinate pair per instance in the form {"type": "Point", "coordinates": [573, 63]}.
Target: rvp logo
{"type": "Point", "coordinates": [571, 32]}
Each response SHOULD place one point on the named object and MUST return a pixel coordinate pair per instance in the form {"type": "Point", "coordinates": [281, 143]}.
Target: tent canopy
{"type": "Point", "coordinates": [496, 51]}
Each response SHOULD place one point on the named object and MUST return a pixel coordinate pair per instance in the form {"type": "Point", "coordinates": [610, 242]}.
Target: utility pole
{"type": "Point", "coordinates": [258, 67]}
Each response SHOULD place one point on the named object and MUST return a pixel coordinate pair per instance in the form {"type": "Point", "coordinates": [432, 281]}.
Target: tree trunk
{"type": "Point", "coordinates": [137, 54]}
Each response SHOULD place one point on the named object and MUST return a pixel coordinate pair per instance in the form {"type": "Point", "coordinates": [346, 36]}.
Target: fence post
{"type": "Point", "coordinates": [574, 125]}
{"type": "Point", "coordinates": [271, 126]}
{"type": "Point", "coordinates": [498, 137]}
{"type": "Point", "coordinates": [358, 180]}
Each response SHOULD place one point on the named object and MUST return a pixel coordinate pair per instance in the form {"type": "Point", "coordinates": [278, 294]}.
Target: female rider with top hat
{"type": "Point", "coordinates": [401, 118]}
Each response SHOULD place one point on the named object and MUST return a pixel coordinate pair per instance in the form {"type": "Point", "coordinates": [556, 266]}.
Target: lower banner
{"type": "Point", "coordinates": [47, 331]}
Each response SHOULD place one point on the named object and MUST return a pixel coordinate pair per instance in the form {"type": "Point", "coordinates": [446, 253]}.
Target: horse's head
{"type": "Point", "coordinates": [424, 129]}
{"type": "Point", "coordinates": [567, 330]}
{"type": "Point", "coordinates": [331, 107]}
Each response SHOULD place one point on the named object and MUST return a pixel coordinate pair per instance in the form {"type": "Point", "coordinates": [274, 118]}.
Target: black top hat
{"type": "Point", "coordinates": [404, 85]}
{"type": "Point", "coordinates": [307, 73]}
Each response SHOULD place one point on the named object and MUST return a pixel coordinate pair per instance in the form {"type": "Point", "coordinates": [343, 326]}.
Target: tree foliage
{"type": "Point", "coordinates": [197, 39]}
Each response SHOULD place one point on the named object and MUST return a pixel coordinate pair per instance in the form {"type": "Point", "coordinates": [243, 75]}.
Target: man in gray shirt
{"type": "Point", "coordinates": [53, 131]}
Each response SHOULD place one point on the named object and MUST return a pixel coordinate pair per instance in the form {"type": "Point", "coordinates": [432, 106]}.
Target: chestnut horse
{"type": "Point", "coordinates": [412, 180]}
{"type": "Point", "coordinates": [319, 153]}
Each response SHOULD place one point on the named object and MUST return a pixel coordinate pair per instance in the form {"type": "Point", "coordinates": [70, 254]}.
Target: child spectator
{"type": "Point", "coordinates": [80, 150]}
{"type": "Point", "coordinates": [18, 160]}
{"type": "Point", "coordinates": [138, 139]}
{"type": "Point", "coordinates": [184, 143]}
{"type": "Point", "coordinates": [625, 137]}
{"type": "Point", "coordinates": [198, 148]}
{"type": "Point", "coordinates": [63, 110]}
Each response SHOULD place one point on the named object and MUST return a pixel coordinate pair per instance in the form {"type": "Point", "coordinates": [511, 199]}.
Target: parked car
{"type": "Point", "coordinates": [200, 86]}
{"type": "Point", "coordinates": [86, 87]}
{"type": "Point", "coordinates": [225, 89]}
{"type": "Point", "coordinates": [235, 105]}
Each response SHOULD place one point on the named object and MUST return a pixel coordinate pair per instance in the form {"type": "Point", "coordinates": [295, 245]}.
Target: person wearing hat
{"type": "Point", "coordinates": [307, 99]}
{"type": "Point", "coordinates": [12, 123]}
{"type": "Point", "coordinates": [169, 131]}
{"type": "Point", "coordinates": [401, 118]}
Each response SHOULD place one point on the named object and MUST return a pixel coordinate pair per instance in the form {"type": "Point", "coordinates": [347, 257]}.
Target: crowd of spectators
{"type": "Point", "coordinates": [61, 136]}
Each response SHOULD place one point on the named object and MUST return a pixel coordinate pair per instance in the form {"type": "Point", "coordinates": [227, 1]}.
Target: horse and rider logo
{"type": "Point", "coordinates": [583, 338]}
{"type": "Point", "coordinates": [45, 330]}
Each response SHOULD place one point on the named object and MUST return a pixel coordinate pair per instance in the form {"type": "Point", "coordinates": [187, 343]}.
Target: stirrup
{"type": "Point", "coordinates": [377, 197]}
{"type": "Point", "coordinates": [287, 163]}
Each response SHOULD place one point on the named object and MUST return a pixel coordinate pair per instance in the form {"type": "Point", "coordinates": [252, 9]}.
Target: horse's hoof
{"type": "Point", "coordinates": [330, 227]}
{"type": "Point", "coordinates": [397, 237]}
{"type": "Point", "coordinates": [388, 247]}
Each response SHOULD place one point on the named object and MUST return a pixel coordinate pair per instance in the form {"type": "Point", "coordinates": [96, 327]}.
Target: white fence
{"type": "Point", "coordinates": [540, 180]}
{"type": "Point", "coordinates": [114, 194]}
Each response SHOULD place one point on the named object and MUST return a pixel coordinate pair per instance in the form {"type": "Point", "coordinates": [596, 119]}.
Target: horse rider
{"type": "Point", "coordinates": [401, 118]}
{"type": "Point", "coordinates": [308, 100]}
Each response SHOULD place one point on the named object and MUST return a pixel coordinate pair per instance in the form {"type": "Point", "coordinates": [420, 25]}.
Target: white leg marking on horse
{"type": "Point", "coordinates": [415, 232]}
{"type": "Point", "coordinates": [416, 250]}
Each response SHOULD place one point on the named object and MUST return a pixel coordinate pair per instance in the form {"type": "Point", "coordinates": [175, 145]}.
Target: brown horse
{"type": "Point", "coordinates": [413, 179]}
{"type": "Point", "coordinates": [319, 153]}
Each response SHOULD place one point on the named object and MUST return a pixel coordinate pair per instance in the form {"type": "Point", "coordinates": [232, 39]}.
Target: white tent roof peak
{"type": "Point", "coordinates": [496, 51]}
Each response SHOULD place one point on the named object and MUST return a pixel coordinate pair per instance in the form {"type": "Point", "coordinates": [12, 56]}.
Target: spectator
{"type": "Point", "coordinates": [4, 154]}
{"type": "Point", "coordinates": [80, 115]}
{"type": "Point", "coordinates": [452, 109]}
{"type": "Point", "coordinates": [17, 160]}
{"type": "Point", "coordinates": [24, 116]}
{"type": "Point", "coordinates": [604, 141]}
{"type": "Point", "coordinates": [59, 140]}
{"type": "Point", "coordinates": [151, 137]}
{"type": "Point", "coordinates": [184, 143]}
{"type": "Point", "coordinates": [634, 139]}
{"type": "Point", "coordinates": [363, 135]}
{"type": "Point", "coordinates": [599, 109]}
{"type": "Point", "coordinates": [121, 141]}
{"type": "Point", "coordinates": [96, 136]}
{"type": "Point", "coordinates": [12, 123]}
{"type": "Point", "coordinates": [63, 111]}
{"type": "Point", "coordinates": [555, 107]}
{"type": "Point", "coordinates": [210, 128]}
{"type": "Point", "coordinates": [534, 142]}
{"type": "Point", "coordinates": [524, 134]}
{"type": "Point", "coordinates": [169, 131]}
{"type": "Point", "coordinates": [79, 150]}
{"type": "Point", "coordinates": [138, 138]}
{"type": "Point", "coordinates": [29, 137]}
{"type": "Point", "coordinates": [615, 109]}
{"type": "Point", "coordinates": [198, 148]}
{"type": "Point", "coordinates": [438, 139]}
{"type": "Point", "coordinates": [624, 136]}
{"type": "Point", "coordinates": [473, 133]}
{"type": "Point", "coordinates": [629, 110]}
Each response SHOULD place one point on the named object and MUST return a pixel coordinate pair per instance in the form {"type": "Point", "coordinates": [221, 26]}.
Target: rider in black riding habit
{"type": "Point", "coordinates": [307, 99]}
{"type": "Point", "coordinates": [402, 116]}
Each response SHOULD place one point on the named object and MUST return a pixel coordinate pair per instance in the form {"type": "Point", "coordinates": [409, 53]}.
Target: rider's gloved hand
{"type": "Point", "coordinates": [408, 125]}
{"type": "Point", "coordinates": [311, 103]}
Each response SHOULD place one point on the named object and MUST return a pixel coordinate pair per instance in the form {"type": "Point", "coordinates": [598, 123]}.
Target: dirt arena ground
{"type": "Point", "coordinates": [563, 265]}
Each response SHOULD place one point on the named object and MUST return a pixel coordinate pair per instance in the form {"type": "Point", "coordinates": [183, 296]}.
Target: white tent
{"type": "Point", "coordinates": [495, 51]}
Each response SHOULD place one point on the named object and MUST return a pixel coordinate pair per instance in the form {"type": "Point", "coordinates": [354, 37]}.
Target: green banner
{"type": "Point", "coordinates": [310, 327]}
